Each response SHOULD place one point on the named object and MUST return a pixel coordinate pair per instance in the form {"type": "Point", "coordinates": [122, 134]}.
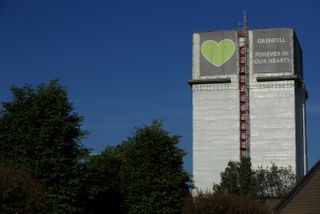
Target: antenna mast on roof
{"type": "Point", "coordinates": [245, 20]}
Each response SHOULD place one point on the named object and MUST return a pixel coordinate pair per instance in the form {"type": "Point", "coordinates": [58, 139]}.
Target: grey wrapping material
{"type": "Point", "coordinates": [215, 133]}
{"type": "Point", "coordinates": [272, 50]}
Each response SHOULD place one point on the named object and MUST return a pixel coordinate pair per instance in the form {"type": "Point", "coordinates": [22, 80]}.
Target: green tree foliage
{"type": "Point", "coordinates": [152, 176]}
{"type": "Point", "coordinates": [217, 203]}
{"type": "Point", "coordinates": [39, 130]}
{"type": "Point", "coordinates": [274, 181]}
{"type": "Point", "coordinates": [19, 192]}
{"type": "Point", "coordinates": [240, 179]}
{"type": "Point", "coordinates": [101, 183]}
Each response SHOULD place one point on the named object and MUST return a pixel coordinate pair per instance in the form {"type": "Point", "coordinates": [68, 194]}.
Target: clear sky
{"type": "Point", "coordinates": [127, 62]}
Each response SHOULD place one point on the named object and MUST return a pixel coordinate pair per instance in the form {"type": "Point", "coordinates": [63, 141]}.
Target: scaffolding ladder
{"type": "Point", "coordinates": [244, 93]}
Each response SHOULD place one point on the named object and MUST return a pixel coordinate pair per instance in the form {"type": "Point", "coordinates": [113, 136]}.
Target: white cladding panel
{"type": "Point", "coordinates": [272, 123]}
{"type": "Point", "coordinates": [215, 131]}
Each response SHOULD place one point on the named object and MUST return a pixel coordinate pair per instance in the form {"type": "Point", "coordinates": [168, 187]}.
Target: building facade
{"type": "Point", "coordinates": [248, 99]}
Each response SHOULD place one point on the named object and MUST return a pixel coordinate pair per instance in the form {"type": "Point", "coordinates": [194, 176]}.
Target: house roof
{"type": "Point", "coordinates": [305, 196]}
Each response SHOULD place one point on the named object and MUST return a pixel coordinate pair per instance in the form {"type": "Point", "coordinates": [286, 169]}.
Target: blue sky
{"type": "Point", "coordinates": [127, 62]}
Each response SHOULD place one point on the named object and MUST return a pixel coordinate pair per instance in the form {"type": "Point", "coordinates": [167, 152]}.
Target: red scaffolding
{"type": "Point", "coordinates": [243, 94]}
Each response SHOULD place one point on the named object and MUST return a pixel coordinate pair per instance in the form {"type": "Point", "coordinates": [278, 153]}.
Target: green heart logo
{"type": "Point", "coordinates": [218, 53]}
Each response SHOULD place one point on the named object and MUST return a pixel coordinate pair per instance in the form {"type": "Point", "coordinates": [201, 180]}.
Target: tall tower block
{"type": "Point", "coordinates": [248, 100]}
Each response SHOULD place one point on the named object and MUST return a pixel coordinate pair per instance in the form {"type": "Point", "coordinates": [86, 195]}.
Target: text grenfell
{"type": "Point", "coordinates": [271, 40]}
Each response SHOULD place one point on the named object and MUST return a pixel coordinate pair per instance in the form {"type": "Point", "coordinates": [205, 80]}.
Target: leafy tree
{"type": "Point", "coordinates": [19, 192]}
{"type": "Point", "coordinates": [274, 182]}
{"type": "Point", "coordinates": [101, 183]}
{"type": "Point", "coordinates": [144, 174]}
{"type": "Point", "coordinates": [152, 176]}
{"type": "Point", "coordinates": [39, 130]}
{"type": "Point", "coordinates": [240, 179]}
{"type": "Point", "coordinates": [247, 178]}
{"type": "Point", "coordinates": [217, 203]}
